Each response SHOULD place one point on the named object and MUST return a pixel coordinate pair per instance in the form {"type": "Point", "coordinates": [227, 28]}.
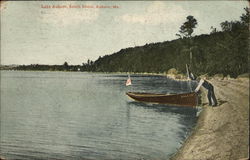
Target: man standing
{"type": "Point", "coordinates": [210, 95]}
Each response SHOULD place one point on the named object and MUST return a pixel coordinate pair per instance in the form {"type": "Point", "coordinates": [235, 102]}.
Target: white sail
{"type": "Point", "coordinates": [128, 82]}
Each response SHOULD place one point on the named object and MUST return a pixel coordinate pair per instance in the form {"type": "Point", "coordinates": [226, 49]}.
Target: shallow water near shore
{"type": "Point", "coordinates": [75, 115]}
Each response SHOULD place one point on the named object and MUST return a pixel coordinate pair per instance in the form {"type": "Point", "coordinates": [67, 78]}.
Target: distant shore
{"type": "Point", "coordinates": [177, 77]}
{"type": "Point", "coordinates": [174, 76]}
{"type": "Point", "coordinates": [222, 132]}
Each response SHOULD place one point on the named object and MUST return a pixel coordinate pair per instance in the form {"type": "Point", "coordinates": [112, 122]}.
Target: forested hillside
{"type": "Point", "coordinates": [223, 52]}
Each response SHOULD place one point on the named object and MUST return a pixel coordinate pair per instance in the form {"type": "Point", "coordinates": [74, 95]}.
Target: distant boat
{"type": "Point", "coordinates": [185, 99]}
{"type": "Point", "coordinates": [128, 82]}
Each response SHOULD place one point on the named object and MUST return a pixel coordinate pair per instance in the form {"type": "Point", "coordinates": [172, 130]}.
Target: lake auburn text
{"type": "Point", "coordinates": [78, 6]}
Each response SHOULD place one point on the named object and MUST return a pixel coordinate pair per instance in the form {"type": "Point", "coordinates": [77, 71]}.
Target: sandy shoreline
{"type": "Point", "coordinates": [222, 132]}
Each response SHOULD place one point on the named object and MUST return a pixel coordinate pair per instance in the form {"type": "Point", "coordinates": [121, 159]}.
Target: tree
{"type": "Point", "coordinates": [65, 65]}
{"type": "Point", "coordinates": [214, 30]}
{"type": "Point", "coordinates": [245, 17]}
{"type": "Point", "coordinates": [187, 28]}
{"type": "Point", "coordinates": [226, 26]}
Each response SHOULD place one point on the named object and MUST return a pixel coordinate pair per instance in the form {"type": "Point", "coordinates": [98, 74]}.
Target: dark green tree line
{"type": "Point", "coordinates": [223, 51]}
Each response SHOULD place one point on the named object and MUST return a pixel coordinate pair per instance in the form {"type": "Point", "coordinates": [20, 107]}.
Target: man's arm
{"type": "Point", "coordinates": [199, 85]}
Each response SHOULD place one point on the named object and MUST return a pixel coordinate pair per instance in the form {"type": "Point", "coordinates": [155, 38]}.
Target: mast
{"type": "Point", "coordinates": [189, 80]}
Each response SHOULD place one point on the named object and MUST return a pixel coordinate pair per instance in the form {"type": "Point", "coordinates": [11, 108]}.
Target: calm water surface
{"type": "Point", "coordinates": [66, 115]}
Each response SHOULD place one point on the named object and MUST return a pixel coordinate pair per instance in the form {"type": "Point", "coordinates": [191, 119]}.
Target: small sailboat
{"type": "Point", "coordinates": [128, 82]}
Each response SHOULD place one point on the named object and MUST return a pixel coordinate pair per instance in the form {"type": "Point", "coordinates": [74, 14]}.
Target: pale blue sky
{"type": "Point", "coordinates": [31, 34]}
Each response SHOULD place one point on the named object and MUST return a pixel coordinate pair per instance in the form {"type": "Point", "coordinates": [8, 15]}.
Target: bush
{"type": "Point", "coordinates": [218, 76]}
{"type": "Point", "coordinates": [172, 71]}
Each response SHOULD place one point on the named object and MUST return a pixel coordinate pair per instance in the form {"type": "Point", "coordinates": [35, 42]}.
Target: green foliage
{"type": "Point", "coordinates": [245, 17]}
{"type": "Point", "coordinates": [224, 52]}
{"type": "Point", "coordinates": [40, 67]}
{"type": "Point", "coordinates": [187, 28]}
{"type": "Point", "coordinates": [65, 64]}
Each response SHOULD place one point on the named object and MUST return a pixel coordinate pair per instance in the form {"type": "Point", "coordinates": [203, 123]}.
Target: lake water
{"type": "Point", "coordinates": [76, 115]}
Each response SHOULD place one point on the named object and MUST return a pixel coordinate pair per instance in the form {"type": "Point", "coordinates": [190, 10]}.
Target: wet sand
{"type": "Point", "coordinates": [222, 132]}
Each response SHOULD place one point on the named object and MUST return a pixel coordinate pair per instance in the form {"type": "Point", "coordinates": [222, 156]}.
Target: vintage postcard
{"type": "Point", "coordinates": [127, 80]}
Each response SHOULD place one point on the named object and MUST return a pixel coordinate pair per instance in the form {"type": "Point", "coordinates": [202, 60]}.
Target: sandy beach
{"type": "Point", "coordinates": [222, 132]}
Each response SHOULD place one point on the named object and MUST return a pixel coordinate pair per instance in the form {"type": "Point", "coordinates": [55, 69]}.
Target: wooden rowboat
{"type": "Point", "coordinates": [186, 99]}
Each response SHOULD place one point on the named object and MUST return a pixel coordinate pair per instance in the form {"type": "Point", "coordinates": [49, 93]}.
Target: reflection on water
{"type": "Point", "coordinates": [165, 108]}
{"type": "Point", "coordinates": [60, 115]}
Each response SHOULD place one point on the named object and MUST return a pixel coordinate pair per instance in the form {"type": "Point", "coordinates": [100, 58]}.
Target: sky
{"type": "Point", "coordinates": [33, 32]}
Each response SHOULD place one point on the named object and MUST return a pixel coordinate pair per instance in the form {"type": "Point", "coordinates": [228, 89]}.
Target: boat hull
{"type": "Point", "coordinates": [186, 99]}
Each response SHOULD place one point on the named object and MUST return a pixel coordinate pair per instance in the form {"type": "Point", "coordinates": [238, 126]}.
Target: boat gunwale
{"type": "Point", "coordinates": [141, 94]}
